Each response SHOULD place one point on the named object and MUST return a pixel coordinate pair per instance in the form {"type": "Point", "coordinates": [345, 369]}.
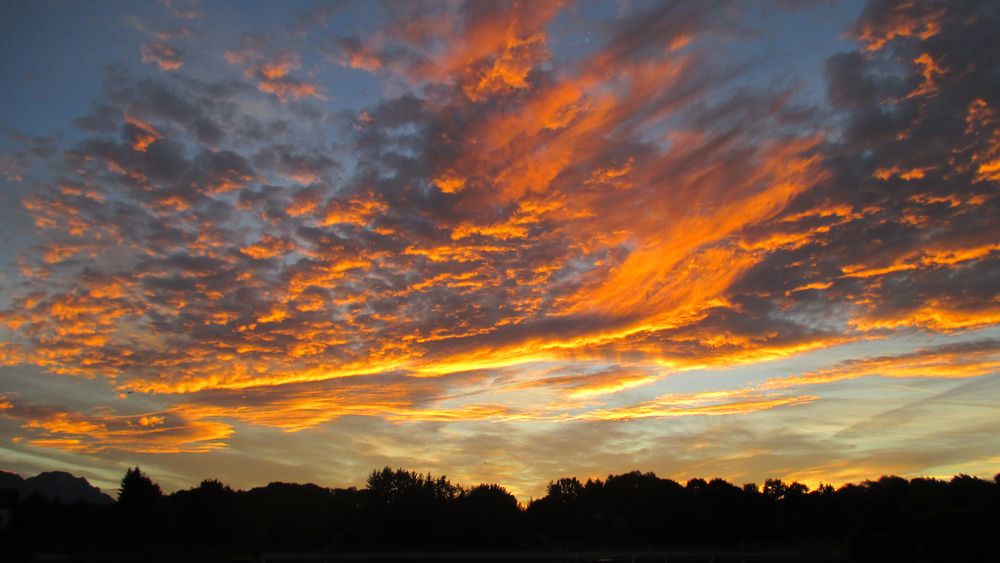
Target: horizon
{"type": "Point", "coordinates": [500, 241]}
{"type": "Point", "coordinates": [521, 502]}
{"type": "Point", "coordinates": [400, 514]}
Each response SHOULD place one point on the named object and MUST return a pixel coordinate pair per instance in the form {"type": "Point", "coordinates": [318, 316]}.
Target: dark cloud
{"type": "Point", "coordinates": [903, 232]}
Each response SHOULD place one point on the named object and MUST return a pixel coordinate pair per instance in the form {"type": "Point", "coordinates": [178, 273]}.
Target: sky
{"type": "Point", "coordinates": [503, 241]}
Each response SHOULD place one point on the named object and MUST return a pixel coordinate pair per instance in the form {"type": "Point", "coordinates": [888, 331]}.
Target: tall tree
{"type": "Point", "coordinates": [139, 503]}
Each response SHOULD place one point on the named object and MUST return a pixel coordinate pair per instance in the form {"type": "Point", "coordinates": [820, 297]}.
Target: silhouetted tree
{"type": "Point", "coordinates": [488, 516]}
{"type": "Point", "coordinates": [289, 514]}
{"type": "Point", "coordinates": [775, 489]}
{"type": "Point", "coordinates": [410, 506]}
{"type": "Point", "coordinates": [886, 519]}
{"type": "Point", "coordinates": [138, 490]}
{"type": "Point", "coordinates": [206, 513]}
{"type": "Point", "coordinates": [566, 490]}
{"type": "Point", "coordinates": [139, 504]}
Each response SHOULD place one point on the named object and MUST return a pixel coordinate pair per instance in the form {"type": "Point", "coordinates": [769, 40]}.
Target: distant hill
{"type": "Point", "coordinates": [55, 485]}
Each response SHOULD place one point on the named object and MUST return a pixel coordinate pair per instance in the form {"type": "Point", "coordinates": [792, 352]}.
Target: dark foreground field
{"type": "Point", "coordinates": [650, 556]}
{"type": "Point", "coordinates": [404, 516]}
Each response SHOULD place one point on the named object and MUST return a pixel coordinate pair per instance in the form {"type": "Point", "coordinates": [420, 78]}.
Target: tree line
{"type": "Point", "coordinates": [922, 518]}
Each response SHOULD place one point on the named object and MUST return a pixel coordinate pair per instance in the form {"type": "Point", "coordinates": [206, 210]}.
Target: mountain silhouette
{"type": "Point", "coordinates": [54, 485]}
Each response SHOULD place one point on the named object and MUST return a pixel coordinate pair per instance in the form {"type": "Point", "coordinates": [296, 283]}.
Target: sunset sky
{"type": "Point", "coordinates": [504, 241]}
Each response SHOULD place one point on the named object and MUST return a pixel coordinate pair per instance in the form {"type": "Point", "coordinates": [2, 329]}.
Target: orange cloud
{"type": "Point", "coordinates": [929, 70]}
{"type": "Point", "coordinates": [508, 70]}
{"type": "Point", "coordinates": [972, 359]}
{"type": "Point", "coordinates": [936, 314]}
{"type": "Point", "coordinates": [268, 247]}
{"type": "Point", "coordinates": [167, 58]}
{"type": "Point", "coordinates": [591, 385]}
{"type": "Point", "coordinates": [286, 89]}
{"type": "Point", "coordinates": [273, 73]}
{"type": "Point", "coordinates": [708, 403]}
{"type": "Point", "coordinates": [158, 433]}
{"type": "Point", "coordinates": [146, 134]}
{"type": "Point", "coordinates": [908, 19]}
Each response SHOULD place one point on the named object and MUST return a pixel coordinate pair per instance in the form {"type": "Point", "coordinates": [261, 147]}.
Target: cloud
{"type": "Point", "coordinates": [182, 9]}
{"type": "Point", "coordinates": [585, 385]}
{"type": "Point", "coordinates": [252, 258]}
{"type": "Point", "coordinates": [709, 403]}
{"type": "Point", "coordinates": [272, 68]}
{"type": "Point", "coordinates": [408, 233]}
{"type": "Point", "coordinates": [961, 360]}
{"type": "Point", "coordinates": [162, 55]}
{"type": "Point", "coordinates": [881, 22]}
{"type": "Point", "coordinates": [155, 432]}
